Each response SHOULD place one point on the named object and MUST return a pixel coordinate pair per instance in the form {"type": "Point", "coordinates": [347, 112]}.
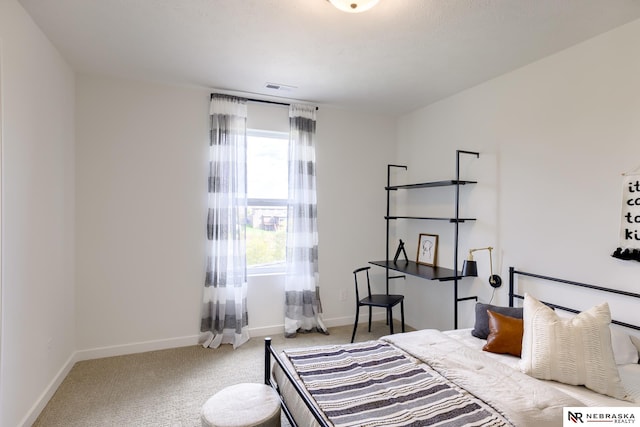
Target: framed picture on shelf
{"type": "Point", "coordinates": [427, 249]}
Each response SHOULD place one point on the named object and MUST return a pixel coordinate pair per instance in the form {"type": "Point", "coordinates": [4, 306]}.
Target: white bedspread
{"type": "Point", "coordinates": [496, 379]}
{"type": "Point", "coordinates": [630, 374]}
{"type": "Point", "coordinates": [523, 400]}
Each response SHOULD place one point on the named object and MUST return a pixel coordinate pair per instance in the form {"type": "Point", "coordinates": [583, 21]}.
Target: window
{"type": "Point", "coordinates": [267, 191]}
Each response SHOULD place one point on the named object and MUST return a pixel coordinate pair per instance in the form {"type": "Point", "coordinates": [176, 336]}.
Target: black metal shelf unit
{"type": "Point", "coordinates": [423, 271]}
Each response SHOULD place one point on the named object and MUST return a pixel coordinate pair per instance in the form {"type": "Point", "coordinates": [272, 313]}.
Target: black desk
{"type": "Point", "coordinates": [413, 269]}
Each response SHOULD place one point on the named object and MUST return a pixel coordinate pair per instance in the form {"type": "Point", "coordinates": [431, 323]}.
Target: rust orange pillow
{"type": "Point", "coordinates": [505, 334]}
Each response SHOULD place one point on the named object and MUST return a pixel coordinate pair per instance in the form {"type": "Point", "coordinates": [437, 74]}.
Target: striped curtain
{"type": "Point", "coordinates": [302, 297]}
{"type": "Point", "coordinates": [224, 309]}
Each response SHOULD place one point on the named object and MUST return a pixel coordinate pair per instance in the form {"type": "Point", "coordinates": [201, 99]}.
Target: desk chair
{"type": "Point", "coordinates": [387, 301]}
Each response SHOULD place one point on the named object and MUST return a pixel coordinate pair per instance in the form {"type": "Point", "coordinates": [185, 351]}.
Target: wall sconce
{"type": "Point", "coordinates": [353, 6]}
{"type": "Point", "coordinates": [470, 267]}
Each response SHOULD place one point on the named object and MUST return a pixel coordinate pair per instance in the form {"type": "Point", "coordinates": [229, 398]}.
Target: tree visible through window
{"type": "Point", "coordinates": [267, 190]}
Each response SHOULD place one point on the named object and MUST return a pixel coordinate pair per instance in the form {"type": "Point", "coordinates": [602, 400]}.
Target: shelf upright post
{"type": "Point", "coordinates": [455, 241]}
{"type": "Point", "coordinates": [388, 214]}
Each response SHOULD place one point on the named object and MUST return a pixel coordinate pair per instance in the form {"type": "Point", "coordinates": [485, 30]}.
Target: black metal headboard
{"type": "Point", "coordinates": [512, 295]}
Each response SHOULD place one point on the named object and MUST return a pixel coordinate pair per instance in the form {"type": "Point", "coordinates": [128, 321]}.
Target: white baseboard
{"type": "Point", "coordinates": [348, 320]}
{"type": "Point", "coordinates": [266, 331]}
{"type": "Point", "coordinates": [140, 347]}
{"type": "Point", "coordinates": [329, 323]}
{"type": "Point", "coordinates": [44, 398]}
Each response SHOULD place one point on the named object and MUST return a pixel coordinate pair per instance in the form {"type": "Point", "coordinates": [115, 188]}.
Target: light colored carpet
{"type": "Point", "coordinates": [168, 387]}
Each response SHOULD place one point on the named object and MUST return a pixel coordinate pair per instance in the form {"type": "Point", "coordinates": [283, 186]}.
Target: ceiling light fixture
{"type": "Point", "coordinates": [354, 6]}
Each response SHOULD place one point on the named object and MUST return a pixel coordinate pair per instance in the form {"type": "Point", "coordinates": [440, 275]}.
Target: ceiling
{"type": "Point", "coordinates": [393, 59]}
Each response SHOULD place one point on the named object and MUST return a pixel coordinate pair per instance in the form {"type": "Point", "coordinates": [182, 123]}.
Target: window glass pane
{"type": "Point", "coordinates": [267, 174]}
{"type": "Point", "coordinates": [267, 190]}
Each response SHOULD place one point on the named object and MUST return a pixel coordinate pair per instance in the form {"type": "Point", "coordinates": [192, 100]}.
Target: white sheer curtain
{"type": "Point", "coordinates": [302, 296]}
{"type": "Point", "coordinates": [224, 309]}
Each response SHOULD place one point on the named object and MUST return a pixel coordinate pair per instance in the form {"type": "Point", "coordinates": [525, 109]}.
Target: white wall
{"type": "Point", "coordinates": [141, 206]}
{"type": "Point", "coordinates": [38, 312]}
{"type": "Point", "coordinates": [554, 138]}
{"type": "Point", "coordinates": [352, 153]}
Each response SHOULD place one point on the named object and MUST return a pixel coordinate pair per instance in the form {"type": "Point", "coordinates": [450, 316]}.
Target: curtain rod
{"type": "Point", "coordinates": [264, 101]}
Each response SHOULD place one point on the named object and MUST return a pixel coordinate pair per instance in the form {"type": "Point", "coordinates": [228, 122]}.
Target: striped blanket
{"type": "Point", "coordinates": [375, 384]}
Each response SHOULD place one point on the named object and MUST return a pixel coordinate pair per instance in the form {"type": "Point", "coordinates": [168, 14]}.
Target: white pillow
{"type": "Point", "coordinates": [573, 351]}
{"type": "Point", "coordinates": [624, 351]}
{"type": "Point", "coordinates": [630, 376]}
{"type": "Point", "coordinates": [635, 341]}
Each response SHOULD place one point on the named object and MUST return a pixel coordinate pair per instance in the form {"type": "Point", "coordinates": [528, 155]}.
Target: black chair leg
{"type": "Point", "coordinates": [390, 316]}
{"type": "Point", "coordinates": [402, 314]}
{"type": "Point", "coordinates": [369, 318]}
{"type": "Point", "coordinates": [355, 325]}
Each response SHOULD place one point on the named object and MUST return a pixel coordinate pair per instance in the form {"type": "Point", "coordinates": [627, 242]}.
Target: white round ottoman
{"type": "Point", "coordinates": [242, 405]}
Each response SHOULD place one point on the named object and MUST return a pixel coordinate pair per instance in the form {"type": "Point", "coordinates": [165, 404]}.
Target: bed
{"type": "Point", "coordinates": [431, 377]}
